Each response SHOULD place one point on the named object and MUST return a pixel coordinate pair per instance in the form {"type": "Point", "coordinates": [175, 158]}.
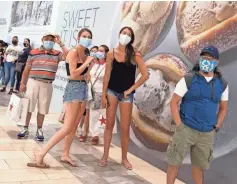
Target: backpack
{"type": "Point", "coordinates": [189, 77]}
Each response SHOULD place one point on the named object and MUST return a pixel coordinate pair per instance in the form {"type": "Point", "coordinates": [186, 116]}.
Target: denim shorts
{"type": "Point", "coordinates": [120, 96]}
{"type": "Point", "coordinates": [76, 91]}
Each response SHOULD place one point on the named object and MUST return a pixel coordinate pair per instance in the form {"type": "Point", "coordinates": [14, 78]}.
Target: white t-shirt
{"type": "Point", "coordinates": [96, 69]}
{"type": "Point", "coordinates": [13, 53]}
{"type": "Point", "coordinates": [181, 89]}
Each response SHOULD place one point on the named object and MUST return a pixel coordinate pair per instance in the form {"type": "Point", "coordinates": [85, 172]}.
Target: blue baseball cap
{"type": "Point", "coordinates": [212, 50]}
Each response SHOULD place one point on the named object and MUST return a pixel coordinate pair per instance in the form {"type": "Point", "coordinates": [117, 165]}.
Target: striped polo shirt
{"type": "Point", "coordinates": [43, 63]}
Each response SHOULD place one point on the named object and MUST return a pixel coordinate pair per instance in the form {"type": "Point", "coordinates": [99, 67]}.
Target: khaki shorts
{"type": "Point", "coordinates": [199, 144]}
{"type": "Point", "coordinates": [40, 92]}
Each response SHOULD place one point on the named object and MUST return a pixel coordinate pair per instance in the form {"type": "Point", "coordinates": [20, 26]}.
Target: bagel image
{"type": "Point", "coordinates": [152, 122]}
{"type": "Point", "coordinates": [202, 23]}
{"type": "Point", "coordinates": [147, 19]}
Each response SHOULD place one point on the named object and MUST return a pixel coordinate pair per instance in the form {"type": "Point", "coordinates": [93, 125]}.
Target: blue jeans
{"type": "Point", "coordinates": [9, 68]}
{"type": "Point", "coordinates": [76, 91]}
{"type": "Point", "coordinates": [2, 75]}
{"type": "Point", "coordinates": [120, 96]}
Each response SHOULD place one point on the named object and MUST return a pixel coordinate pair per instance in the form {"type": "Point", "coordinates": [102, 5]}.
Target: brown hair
{"type": "Point", "coordinates": [84, 30]}
{"type": "Point", "coordinates": [130, 51]}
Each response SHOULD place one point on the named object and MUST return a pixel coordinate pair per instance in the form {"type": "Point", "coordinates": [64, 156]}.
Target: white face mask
{"type": "Point", "coordinates": [124, 39]}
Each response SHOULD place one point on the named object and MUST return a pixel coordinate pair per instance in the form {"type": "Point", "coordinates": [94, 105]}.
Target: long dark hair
{"type": "Point", "coordinates": [216, 71]}
{"type": "Point", "coordinates": [83, 57]}
{"type": "Point", "coordinates": [130, 51]}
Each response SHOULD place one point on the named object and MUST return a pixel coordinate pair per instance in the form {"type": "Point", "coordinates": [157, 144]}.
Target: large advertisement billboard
{"type": "Point", "coordinates": [170, 36]}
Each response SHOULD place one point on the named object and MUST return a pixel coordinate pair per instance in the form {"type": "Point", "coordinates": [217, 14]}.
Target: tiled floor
{"type": "Point", "coordinates": [15, 153]}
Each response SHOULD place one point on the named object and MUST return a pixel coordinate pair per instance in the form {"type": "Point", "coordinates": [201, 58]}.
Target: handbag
{"type": "Point", "coordinates": [18, 109]}
{"type": "Point", "coordinates": [19, 67]}
{"type": "Point", "coordinates": [92, 85]}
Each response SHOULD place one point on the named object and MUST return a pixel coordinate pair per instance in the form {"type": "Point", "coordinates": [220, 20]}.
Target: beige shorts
{"type": "Point", "coordinates": [40, 93]}
{"type": "Point", "coordinates": [199, 144]}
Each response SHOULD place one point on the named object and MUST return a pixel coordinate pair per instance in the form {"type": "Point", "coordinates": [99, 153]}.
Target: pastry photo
{"type": "Point", "coordinates": [202, 23]}
{"type": "Point", "coordinates": [152, 122]}
{"type": "Point", "coordinates": [150, 20]}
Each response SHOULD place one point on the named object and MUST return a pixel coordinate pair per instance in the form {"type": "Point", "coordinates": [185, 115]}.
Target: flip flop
{"type": "Point", "coordinates": [69, 163]}
{"type": "Point", "coordinates": [41, 166]}
{"type": "Point", "coordinates": [102, 163]}
{"type": "Point", "coordinates": [127, 166]}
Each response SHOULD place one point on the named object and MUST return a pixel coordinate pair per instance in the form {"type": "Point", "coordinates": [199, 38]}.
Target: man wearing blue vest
{"type": "Point", "coordinates": [204, 97]}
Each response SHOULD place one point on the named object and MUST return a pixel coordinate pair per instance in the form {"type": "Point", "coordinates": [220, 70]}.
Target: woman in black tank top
{"type": "Point", "coordinates": [75, 98]}
{"type": "Point", "coordinates": [118, 88]}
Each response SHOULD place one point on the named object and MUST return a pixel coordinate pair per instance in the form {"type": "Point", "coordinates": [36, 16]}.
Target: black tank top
{"type": "Point", "coordinates": [122, 76]}
{"type": "Point", "coordinates": [78, 65]}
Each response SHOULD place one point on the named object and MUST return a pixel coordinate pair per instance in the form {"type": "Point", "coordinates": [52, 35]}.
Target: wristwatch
{"type": "Point", "coordinates": [216, 129]}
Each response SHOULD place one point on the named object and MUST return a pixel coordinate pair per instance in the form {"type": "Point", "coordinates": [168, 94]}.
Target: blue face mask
{"type": "Point", "coordinates": [93, 54]}
{"type": "Point", "coordinates": [100, 55]}
{"type": "Point", "coordinates": [48, 45]}
{"type": "Point", "coordinates": [85, 42]}
{"type": "Point", "coordinates": [206, 65]}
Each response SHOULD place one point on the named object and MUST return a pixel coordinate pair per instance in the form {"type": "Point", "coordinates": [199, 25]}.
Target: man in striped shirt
{"type": "Point", "coordinates": [40, 72]}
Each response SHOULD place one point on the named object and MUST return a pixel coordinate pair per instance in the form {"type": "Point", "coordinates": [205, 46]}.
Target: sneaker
{"type": "Point", "coordinates": [39, 135]}
{"type": "Point", "coordinates": [10, 92]}
{"type": "Point", "coordinates": [3, 89]}
{"type": "Point", "coordinates": [16, 91]}
{"type": "Point", "coordinates": [24, 133]}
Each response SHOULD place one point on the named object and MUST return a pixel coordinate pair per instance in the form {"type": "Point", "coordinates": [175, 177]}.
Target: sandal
{"type": "Point", "coordinates": [41, 166]}
{"type": "Point", "coordinates": [95, 140]}
{"type": "Point", "coordinates": [70, 163]}
{"type": "Point", "coordinates": [82, 138]}
{"type": "Point", "coordinates": [127, 166]}
{"type": "Point", "coordinates": [102, 163]}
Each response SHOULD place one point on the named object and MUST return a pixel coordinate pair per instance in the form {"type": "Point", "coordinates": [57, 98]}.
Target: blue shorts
{"type": "Point", "coordinates": [120, 96]}
{"type": "Point", "coordinates": [76, 91]}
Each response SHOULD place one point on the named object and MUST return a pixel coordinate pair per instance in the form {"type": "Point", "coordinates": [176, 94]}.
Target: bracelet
{"type": "Point", "coordinates": [62, 45]}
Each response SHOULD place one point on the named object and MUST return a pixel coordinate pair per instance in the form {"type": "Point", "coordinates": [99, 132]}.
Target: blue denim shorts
{"type": "Point", "coordinates": [76, 91]}
{"type": "Point", "coordinates": [120, 96]}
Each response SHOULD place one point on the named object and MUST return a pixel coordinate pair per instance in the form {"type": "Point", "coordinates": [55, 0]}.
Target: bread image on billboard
{"type": "Point", "coordinates": [147, 19]}
{"type": "Point", "coordinates": [202, 23]}
{"type": "Point", "coordinates": [152, 122]}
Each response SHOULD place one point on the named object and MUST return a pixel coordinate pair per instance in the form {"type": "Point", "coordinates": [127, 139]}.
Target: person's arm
{"type": "Point", "coordinates": [144, 74]}
{"type": "Point", "coordinates": [26, 71]}
{"type": "Point", "coordinates": [174, 106]}
{"type": "Point", "coordinates": [64, 49]}
{"type": "Point", "coordinates": [6, 52]}
{"type": "Point", "coordinates": [223, 107]}
{"type": "Point", "coordinates": [108, 69]}
{"type": "Point", "coordinates": [73, 58]}
{"type": "Point", "coordinates": [179, 92]}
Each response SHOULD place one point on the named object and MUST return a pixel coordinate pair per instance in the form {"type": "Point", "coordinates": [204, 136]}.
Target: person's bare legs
{"type": "Point", "coordinates": [197, 173]}
{"type": "Point", "coordinates": [28, 118]}
{"type": "Point", "coordinates": [172, 173]}
{"type": "Point", "coordinates": [69, 122]}
{"type": "Point", "coordinates": [125, 122]}
{"type": "Point", "coordinates": [69, 138]}
{"type": "Point", "coordinates": [110, 121]}
{"type": "Point", "coordinates": [40, 120]}
{"type": "Point", "coordinates": [86, 123]}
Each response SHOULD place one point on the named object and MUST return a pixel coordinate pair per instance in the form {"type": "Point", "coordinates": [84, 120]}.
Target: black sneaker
{"type": "Point", "coordinates": [10, 92]}
{"type": "Point", "coordinates": [23, 134]}
{"type": "Point", "coordinates": [39, 135]}
{"type": "Point", "coordinates": [3, 89]}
